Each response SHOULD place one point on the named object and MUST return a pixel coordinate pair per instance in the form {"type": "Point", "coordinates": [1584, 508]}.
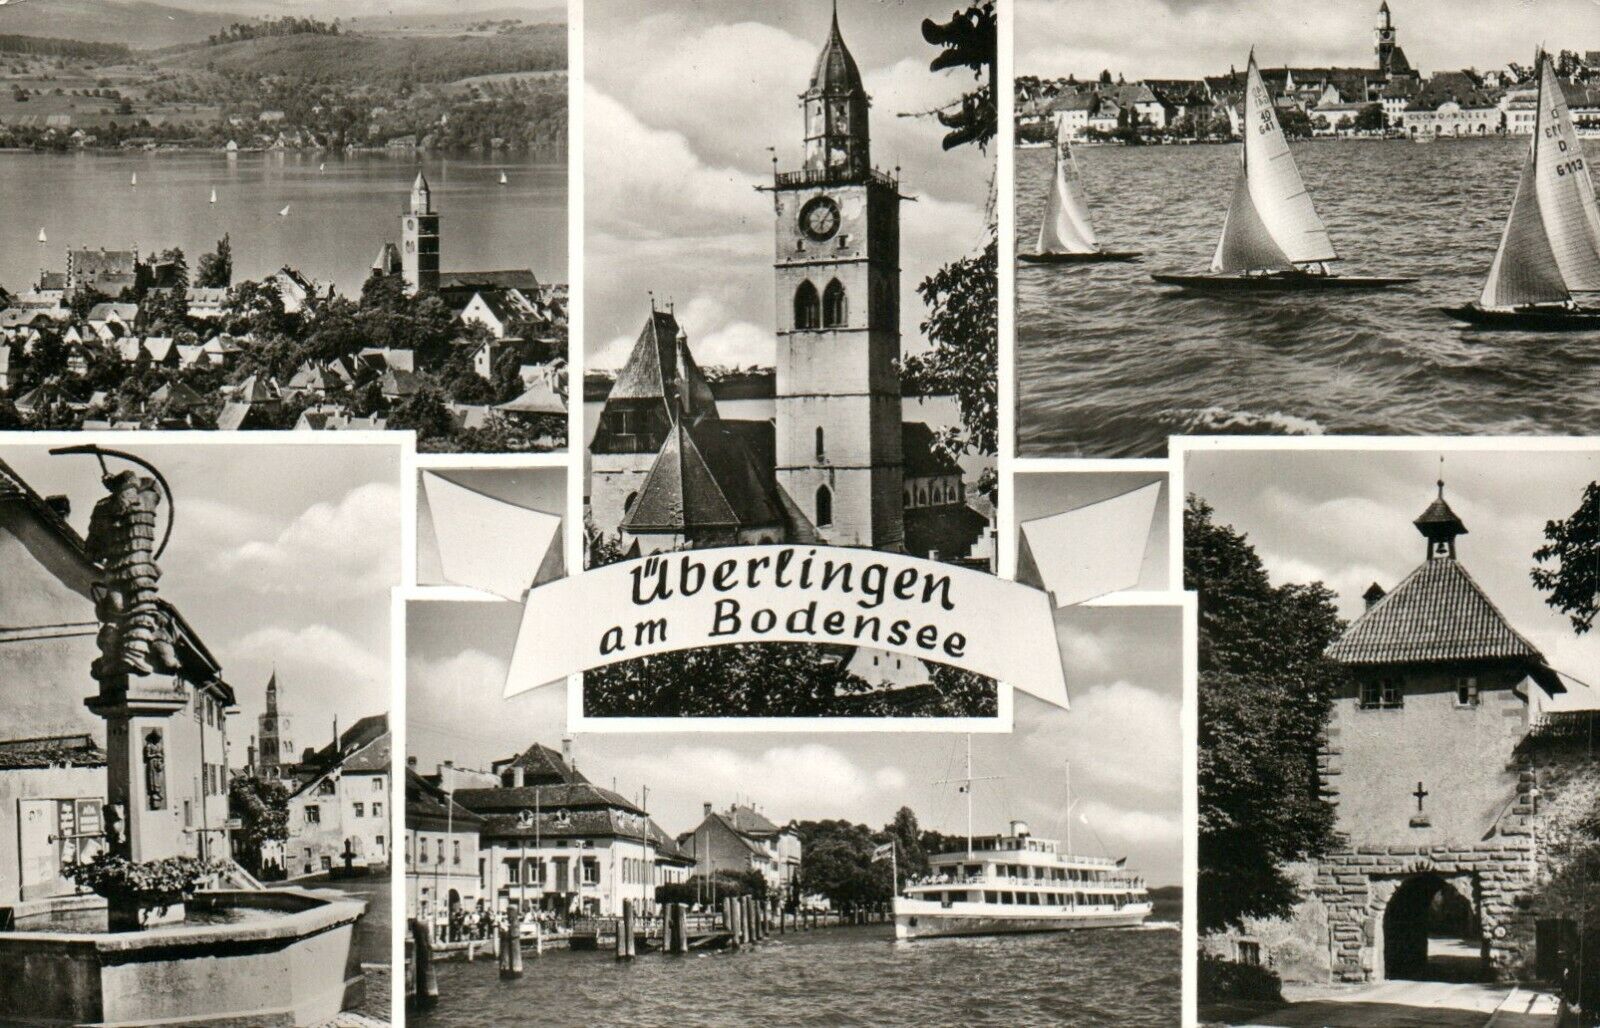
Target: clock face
{"type": "Point", "coordinates": [819, 218]}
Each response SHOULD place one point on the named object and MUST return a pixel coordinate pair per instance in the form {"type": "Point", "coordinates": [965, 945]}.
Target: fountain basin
{"type": "Point", "coordinates": [276, 958]}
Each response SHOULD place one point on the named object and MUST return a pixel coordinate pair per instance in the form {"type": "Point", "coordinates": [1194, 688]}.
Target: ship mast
{"type": "Point", "coordinates": [966, 786]}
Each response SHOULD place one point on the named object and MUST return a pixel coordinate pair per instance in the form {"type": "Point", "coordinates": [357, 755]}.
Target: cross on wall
{"type": "Point", "coordinates": [1420, 794]}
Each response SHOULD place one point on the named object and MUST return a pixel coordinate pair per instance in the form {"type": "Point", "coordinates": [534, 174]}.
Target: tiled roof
{"type": "Point", "coordinates": [576, 796]}
{"type": "Point", "coordinates": [51, 751]}
{"type": "Point", "coordinates": [426, 807]}
{"type": "Point", "coordinates": [512, 278]}
{"type": "Point", "coordinates": [751, 821]}
{"type": "Point", "coordinates": [950, 530]}
{"type": "Point", "coordinates": [1437, 614]}
{"type": "Point", "coordinates": [659, 368]}
{"type": "Point", "coordinates": [13, 487]}
{"type": "Point", "coordinates": [540, 765]}
{"type": "Point", "coordinates": [567, 824]}
{"type": "Point", "coordinates": [703, 477]}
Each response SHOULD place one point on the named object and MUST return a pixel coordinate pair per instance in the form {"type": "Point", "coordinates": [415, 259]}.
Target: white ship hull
{"type": "Point", "coordinates": [922, 919]}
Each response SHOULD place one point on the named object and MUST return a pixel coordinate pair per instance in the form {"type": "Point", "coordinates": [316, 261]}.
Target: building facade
{"type": "Point", "coordinates": [339, 812]}
{"type": "Point", "coordinates": [444, 869]}
{"type": "Point", "coordinates": [742, 839]}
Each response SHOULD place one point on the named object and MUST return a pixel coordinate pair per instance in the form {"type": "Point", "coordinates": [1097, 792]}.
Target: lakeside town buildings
{"type": "Point", "coordinates": [533, 830]}
{"type": "Point", "coordinates": [1454, 103]}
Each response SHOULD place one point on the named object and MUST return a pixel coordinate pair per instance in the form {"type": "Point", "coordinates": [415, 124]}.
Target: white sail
{"type": "Point", "coordinates": [1565, 188]}
{"type": "Point", "coordinates": [134, 180]}
{"type": "Point", "coordinates": [1525, 269]}
{"type": "Point", "coordinates": [502, 178]}
{"type": "Point", "coordinates": [285, 212]}
{"type": "Point", "coordinates": [1270, 203]}
{"type": "Point", "coordinates": [213, 196]}
{"type": "Point", "coordinates": [1066, 227]}
{"type": "Point", "coordinates": [42, 239]}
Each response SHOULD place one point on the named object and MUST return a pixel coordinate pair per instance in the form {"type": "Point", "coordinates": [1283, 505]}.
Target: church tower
{"type": "Point", "coordinates": [837, 264]}
{"type": "Point", "coordinates": [419, 241]}
{"type": "Point", "coordinates": [277, 743]}
{"type": "Point", "coordinates": [1385, 38]}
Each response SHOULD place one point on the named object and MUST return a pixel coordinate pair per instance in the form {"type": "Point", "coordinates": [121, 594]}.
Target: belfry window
{"type": "Point", "coordinates": [835, 311]}
{"type": "Point", "coordinates": [822, 449]}
{"type": "Point", "coordinates": [824, 506]}
{"type": "Point", "coordinates": [807, 307]}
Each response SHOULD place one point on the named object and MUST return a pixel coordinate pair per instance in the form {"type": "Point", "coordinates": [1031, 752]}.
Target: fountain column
{"type": "Point", "coordinates": [139, 689]}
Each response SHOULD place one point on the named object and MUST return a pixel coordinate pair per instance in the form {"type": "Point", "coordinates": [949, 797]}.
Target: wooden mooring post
{"type": "Point", "coordinates": [427, 979]}
{"type": "Point", "coordinates": [625, 928]}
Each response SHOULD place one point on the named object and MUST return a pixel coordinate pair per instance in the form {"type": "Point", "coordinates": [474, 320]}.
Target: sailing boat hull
{"type": "Point", "coordinates": [1527, 319]}
{"type": "Point", "coordinates": [1095, 257]}
{"type": "Point", "coordinates": [1278, 282]}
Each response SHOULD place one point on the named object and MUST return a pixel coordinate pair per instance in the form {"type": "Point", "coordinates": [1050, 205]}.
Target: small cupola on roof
{"type": "Point", "coordinates": [836, 113]}
{"type": "Point", "coordinates": [1440, 526]}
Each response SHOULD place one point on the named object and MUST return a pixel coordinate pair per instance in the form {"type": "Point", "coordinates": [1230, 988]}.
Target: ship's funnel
{"type": "Point", "coordinates": [1020, 829]}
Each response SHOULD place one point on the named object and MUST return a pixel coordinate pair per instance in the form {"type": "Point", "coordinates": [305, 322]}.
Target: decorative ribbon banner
{"type": "Point", "coordinates": [800, 594]}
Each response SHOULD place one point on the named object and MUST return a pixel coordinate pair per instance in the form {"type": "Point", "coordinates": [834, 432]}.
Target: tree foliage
{"type": "Point", "coordinates": [262, 807]}
{"type": "Point", "coordinates": [1266, 692]}
{"type": "Point", "coordinates": [964, 327]}
{"type": "Point", "coordinates": [1568, 570]}
{"type": "Point", "coordinates": [215, 270]}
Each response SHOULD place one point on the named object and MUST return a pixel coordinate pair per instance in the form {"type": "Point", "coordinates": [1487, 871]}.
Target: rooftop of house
{"type": "Point", "coordinates": [51, 751]}
{"type": "Point", "coordinates": [430, 807]}
{"type": "Point", "coordinates": [540, 765]}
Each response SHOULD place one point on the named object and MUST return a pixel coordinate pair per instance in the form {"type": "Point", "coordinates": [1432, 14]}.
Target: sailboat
{"type": "Point", "coordinates": [502, 178]}
{"type": "Point", "coordinates": [323, 166]}
{"type": "Point", "coordinates": [1015, 882]}
{"type": "Point", "coordinates": [213, 195]}
{"type": "Point", "coordinates": [1272, 238]}
{"type": "Point", "coordinates": [134, 180]}
{"type": "Point", "coordinates": [42, 239]}
{"type": "Point", "coordinates": [1066, 235]}
{"type": "Point", "coordinates": [285, 212]}
{"type": "Point", "coordinates": [1549, 254]}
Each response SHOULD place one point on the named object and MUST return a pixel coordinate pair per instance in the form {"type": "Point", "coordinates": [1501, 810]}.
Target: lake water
{"type": "Point", "coordinates": [846, 976]}
{"type": "Point", "coordinates": [1109, 364]}
{"type": "Point", "coordinates": [338, 218]}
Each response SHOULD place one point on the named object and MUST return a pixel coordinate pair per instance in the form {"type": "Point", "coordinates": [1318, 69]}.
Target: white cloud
{"type": "Point", "coordinates": [348, 548]}
{"type": "Point", "coordinates": [323, 657]}
{"type": "Point", "coordinates": [1121, 738]}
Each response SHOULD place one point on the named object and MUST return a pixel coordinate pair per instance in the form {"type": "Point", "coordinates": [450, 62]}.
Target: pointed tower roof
{"type": "Point", "coordinates": [836, 72]}
{"type": "Point", "coordinates": [1438, 614]}
{"type": "Point", "coordinates": [661, 367]}
{"type": "Point", "coordinates": [272, 692]}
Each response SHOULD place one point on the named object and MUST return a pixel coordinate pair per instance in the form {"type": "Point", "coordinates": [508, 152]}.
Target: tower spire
{"type": "Point", "coordinates": [1439, 524]}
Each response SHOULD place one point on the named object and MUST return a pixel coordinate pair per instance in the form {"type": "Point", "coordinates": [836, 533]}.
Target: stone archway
{"type": "Point", "coordinates": [1430, 930]}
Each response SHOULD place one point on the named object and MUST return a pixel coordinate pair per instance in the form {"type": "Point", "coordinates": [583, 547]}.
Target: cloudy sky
{"type": "Point", "coordinates": [1190, 38]}
{"type": "Point", "coordinates": [281, 556]}
{"type": "Point", "coordinates": [682, 103]}
{"type": "Point", "coordinates": [1344, 519]}
{"type": "Point", "coordinates": [1122, 736]}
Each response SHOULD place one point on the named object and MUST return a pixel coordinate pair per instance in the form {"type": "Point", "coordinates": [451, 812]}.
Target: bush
{"type": "Point", "coordinates": [1221, 980]}
{"type": "Point", "coordinates": [152, 884]}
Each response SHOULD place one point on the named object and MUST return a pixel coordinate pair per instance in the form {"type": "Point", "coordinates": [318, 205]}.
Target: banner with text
{"type": "Point", "coordinates": [799, 594]}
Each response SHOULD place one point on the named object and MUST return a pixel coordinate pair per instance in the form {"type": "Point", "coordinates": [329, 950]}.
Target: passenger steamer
{"type": "Point", "coordinates": [1015, 882]}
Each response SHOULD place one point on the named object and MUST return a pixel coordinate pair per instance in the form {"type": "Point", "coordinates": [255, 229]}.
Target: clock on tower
{"type": "Point", "coordinates": [837, 272]}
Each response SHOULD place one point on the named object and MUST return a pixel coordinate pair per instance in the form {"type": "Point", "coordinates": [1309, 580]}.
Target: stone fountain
{"type": "Point", "coordinates": [189, 953]}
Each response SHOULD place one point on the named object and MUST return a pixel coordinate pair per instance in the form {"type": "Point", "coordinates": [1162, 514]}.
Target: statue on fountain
{"type": "Point", "coordinates": [136, 634]}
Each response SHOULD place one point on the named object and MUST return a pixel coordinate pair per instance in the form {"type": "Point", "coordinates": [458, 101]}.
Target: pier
{"type": "Point", "coordinates": [736, 923]}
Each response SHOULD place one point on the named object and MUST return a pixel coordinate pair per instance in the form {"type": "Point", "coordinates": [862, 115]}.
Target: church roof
{"type": "Point", "coordinates": [661, 367]}
{"type": "Point", "coordinates": [836, 70]}
{"type": "Point", "coordinates": [703, 478]}
{"type": "Point", "coordinates": [1437, 614]}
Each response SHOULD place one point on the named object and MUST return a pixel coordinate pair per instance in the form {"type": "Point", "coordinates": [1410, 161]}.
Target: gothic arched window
{"type": "Point", "coordinates": [834, 310]}
{"type": "Point", "coordinates": [807, 307]}
{"type": "Point", "coordinates": [822, 449]}
{"type": "Point", "coordinates": [824, 507]}
{"type": "Point", "coordinates": [627, 504]}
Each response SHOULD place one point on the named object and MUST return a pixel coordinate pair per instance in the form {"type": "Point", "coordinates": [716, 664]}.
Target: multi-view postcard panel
{"type": "Point", "coordinates": [1185, 620]}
